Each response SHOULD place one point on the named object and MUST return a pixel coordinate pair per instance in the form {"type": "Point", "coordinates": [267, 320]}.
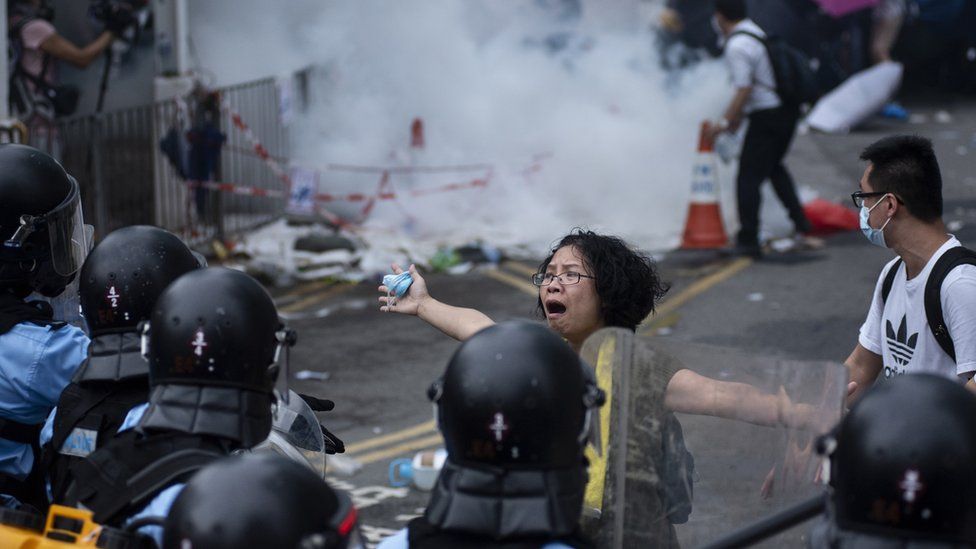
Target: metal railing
{"type": "Point", "coordinates": [111, 156]}
{"type": "Point", "coordinates": [126, 179]}
{"type": "Point", "coordinates": [257, 103]}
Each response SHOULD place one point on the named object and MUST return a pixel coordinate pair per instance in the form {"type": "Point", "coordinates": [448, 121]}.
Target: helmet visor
{"type": "Point", "coordinates": [65, 305]}
{"type": "Point", "coordinates": [286, 338]}
{"type": "Point", "coordinates": [70, 238]}
{"type": "Point", "coordinates": [296, 434]}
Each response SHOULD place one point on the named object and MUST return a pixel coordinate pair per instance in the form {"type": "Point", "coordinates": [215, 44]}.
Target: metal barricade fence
{"type": "Point", "coordinates": [257, 103]}
{"type": "Point", "coordinates": [126, 179]}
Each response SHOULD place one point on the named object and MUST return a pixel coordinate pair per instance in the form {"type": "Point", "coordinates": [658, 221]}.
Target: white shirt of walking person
{"type": "Point", "coordinates": [750, 67]}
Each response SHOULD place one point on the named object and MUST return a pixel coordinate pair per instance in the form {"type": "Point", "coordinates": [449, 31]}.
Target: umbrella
{"type": "Point", "coordinates": [840, 8]}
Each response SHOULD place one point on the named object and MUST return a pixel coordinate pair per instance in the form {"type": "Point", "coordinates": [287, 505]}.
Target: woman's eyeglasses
{"type": "Point", "coordinates": [567, 278]}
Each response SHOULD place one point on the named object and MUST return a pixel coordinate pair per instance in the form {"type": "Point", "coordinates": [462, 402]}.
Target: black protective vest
{"type": "Point", "coordinates": [88, 417]}
{"type": "Point", "coordinates": [113, 379]}
{"type": "Point", "coordinates": [30, 490]}
{"type": "Point", "coordinates": [539, 505]}
{"type": "Point", "coordinates": [120, 478]}
{"type": "Point", "coordinates": [423, 535]}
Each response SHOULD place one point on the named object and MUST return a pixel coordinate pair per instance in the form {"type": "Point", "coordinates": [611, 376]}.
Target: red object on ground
{"type": "Point", "coordinates": [417, 133]}
{"type": "Point", "coordinates": [829, 217]}
{"type": "Point", "coordinates": [704, 228]}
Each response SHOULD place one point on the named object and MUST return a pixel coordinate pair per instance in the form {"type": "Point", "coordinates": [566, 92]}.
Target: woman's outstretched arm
{"type": "Point", "coordinates": [457, 322]}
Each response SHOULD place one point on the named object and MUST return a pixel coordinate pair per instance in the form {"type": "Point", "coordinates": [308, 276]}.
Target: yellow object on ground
{"type": "Point", "coordinates": [64, 527]}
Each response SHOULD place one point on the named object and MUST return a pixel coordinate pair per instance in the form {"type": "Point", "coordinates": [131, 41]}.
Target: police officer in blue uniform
{"type": "Point", "coordinates": [118, 287]}
{"type": "Point", "coordinates": [214, 341]}
{"type": "Point", "coordinates": [44, 242]}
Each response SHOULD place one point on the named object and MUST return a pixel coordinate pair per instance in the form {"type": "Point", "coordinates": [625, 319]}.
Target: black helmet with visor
{"type": "Point", "coordinates": [45, 239]}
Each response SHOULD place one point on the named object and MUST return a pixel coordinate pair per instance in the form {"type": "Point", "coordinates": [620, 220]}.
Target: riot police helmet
{"type": "Point", "coordinates": [42, 228]}
{"type": "Point", "coordinates": [216, 348]}
{"type": "Point", "coordinates": [214, 326]}
{"type": "Point", "coordinates": [514, 395]}
{"type": "Point", "coordinates": [126, 272]}
{"type": "Point", "coordinates": [260, 500]}
{"type": "Point", "coordinates": [902, 462]}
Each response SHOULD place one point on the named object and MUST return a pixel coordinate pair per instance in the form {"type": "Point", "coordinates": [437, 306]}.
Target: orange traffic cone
{"type": "Point", "coordinates": [704, 228]}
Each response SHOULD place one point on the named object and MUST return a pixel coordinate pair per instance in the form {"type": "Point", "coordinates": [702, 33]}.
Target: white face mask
{"type": "Point", "coordinates": [874, 236]}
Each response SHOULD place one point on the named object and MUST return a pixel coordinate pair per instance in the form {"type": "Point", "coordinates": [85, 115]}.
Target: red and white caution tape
{"type": "Point", "coordinates": [384, 189]}
{"type": "Point", "coordinates": [256, 145]}
{"type": "Point", "coordinates": [271, 162]}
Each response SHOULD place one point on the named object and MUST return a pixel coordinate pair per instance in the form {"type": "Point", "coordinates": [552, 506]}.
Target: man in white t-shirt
{"type": "Point", "coordinates": [901, 208]}
{"type": "Point", "coordinates": [772, 123]}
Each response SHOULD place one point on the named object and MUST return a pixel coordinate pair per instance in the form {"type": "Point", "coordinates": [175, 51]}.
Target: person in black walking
{"type": "Point", "coordinates": [772, 123]}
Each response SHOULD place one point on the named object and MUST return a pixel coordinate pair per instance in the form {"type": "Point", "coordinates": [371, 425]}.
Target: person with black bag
{"type": "Point", "coordinates": [771, 100]}
{"type": "Point", "coordinates": [35, 47]}
{"type": "Point", "coordinates": [923, 310]}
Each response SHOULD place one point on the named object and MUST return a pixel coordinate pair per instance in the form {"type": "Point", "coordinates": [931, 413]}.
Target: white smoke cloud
{"type": "Point", "coordinates": [621, 132]}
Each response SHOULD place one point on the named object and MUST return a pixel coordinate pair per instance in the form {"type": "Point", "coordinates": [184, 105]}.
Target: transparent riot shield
{"type": "Point", "coordinates": [296, 434]}
{"type": "Point", "coordinates": [699, 440]}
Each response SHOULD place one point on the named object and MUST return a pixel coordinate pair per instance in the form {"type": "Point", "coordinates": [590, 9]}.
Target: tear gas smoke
{"type": "Point", "coordinates": [494, 82]}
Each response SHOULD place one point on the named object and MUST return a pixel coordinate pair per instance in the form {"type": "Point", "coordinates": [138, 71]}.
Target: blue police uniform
{"type": "Point", "coordinates": [36, 363]}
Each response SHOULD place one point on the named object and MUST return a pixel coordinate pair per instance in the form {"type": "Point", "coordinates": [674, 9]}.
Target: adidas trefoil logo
{"type": "Point", "coordinates": [902, 348]}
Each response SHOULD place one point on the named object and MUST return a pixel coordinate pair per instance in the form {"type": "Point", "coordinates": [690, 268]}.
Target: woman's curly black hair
{"type": "Point", "coordinates": [627, 281]}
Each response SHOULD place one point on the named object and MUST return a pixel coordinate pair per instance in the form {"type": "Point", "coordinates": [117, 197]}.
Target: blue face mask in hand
{"type": "Point", "coordinates": [874, 236]}
{"type": "Point", "coordinates": [397, 285]}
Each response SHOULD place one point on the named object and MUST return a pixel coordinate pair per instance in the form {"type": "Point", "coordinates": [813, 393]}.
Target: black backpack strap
{"type": "Point", "coordinates": [769, 54]}
{"type": "Point", "coordinates": [16, 33]}
{"type": "Point", "coordinates": [19, 72]}
{"type": "Point", "coordinates": [122, 477]}
{"type": "Point", "coordinates": [889, 280]}
{"type": "Point", "coordinates": [951, 259]}
{"type": "Point", "coordinates": [22, 433]}
{"type": "Point", "coordinates": [112, 496]}
{"type": "Point", "coordinates": [169, 469]}
{"type": "Point", "coordinates": [72, 410]}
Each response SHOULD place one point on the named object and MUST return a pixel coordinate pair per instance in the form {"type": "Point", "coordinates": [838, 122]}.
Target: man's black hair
{"type": "Point", "coordinates": [733, 10]}
{"type": "Point", "coordinates": [627, 281]}
{"type": "Point", "coordinates": [905, 165]}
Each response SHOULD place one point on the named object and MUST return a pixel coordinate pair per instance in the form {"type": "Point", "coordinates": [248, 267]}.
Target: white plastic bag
{"type": "Point", "coordinates": [860, 96]}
